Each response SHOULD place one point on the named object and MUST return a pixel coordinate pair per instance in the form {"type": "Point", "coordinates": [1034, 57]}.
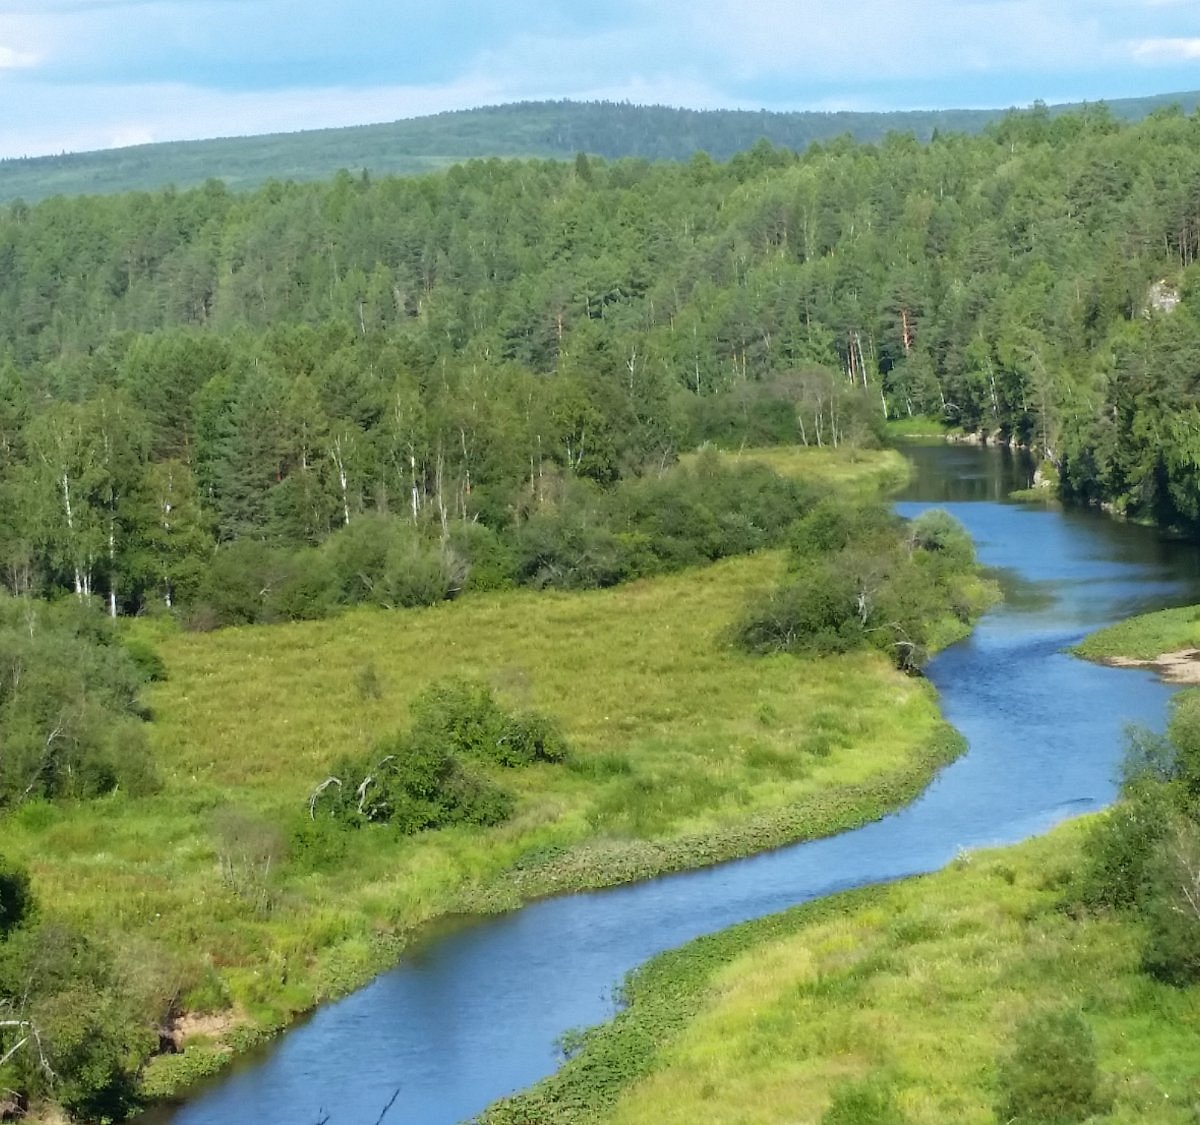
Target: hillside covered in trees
{"type": "Point", "coordinates": [553, 130]}
{"type": "Point", "coordinates": [209, 401]}
{"type": "Point", "coordinates": [230, 408]}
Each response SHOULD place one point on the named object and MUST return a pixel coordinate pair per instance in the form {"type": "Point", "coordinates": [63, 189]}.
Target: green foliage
{"type": "Point", "coordinates": [1144, 855]}
{"type": "Point", "coordinates": [859, 579]}
{"type": "Point", "coordinates": [424, 779]}
{"type": "Point", "coordinates": [70, 720]}
{"type": "Point", "coordinates": [1051, 1077]}
{"type": "Point", "coordinates": [390, 391]}
{"type": "Point", "coordinates": [1120, 850]}
{"type": "Point", "coordinates": [460, 715]}
{"type": "Point", "coordinates": [413, 783]}
{"type": "Point", "coordinates": [871, 1102]}
{"type": "Point", "coordinates": [83, 1055]}
{"type": "Point", "coordinates": [16, 898]}
{"type": "Point", "coordinates": [941, 536]}
{"type": "Point", "coordinates": [1170, 903]}
{"type": "Point", "coordinates": [563, 130]}
{"type": "Point", "coordinates": [527, 737]}
{"type": "Point", "coordinates": [811, 615]}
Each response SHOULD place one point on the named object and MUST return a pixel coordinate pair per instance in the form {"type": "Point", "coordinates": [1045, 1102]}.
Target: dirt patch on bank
{"type": "Point", "coordinates": [215, 1026]}
{"type": "Point", "coordinates": [1181, 667]}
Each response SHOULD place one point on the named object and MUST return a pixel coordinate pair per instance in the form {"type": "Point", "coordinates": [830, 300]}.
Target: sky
{"type": "Point", "coordinates": [90, 74]}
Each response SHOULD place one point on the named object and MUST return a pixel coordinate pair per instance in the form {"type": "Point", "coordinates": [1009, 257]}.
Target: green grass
{"type": "Point", "coordinates": [686, 752]}
{"type": "Point", "coordinates": [918, 428]}
{"type": "Point", "coordinates": [915, 987]}
{"type": "Point", "coordinates": [1034, 496]}
{"type": "Point", "coordinates": [1144, 637]}
{"type": "Point", "coordinates": [880, 470]}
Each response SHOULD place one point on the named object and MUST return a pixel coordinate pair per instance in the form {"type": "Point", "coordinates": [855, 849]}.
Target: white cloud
{"type": "Point", "coordinates": [1167, 50]}
{"type": "Point", "coordinates": [13, 59]}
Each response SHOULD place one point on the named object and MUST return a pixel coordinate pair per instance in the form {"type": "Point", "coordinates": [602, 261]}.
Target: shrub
{"type": "Point", "coordinates": [1051, 1077]}
{"type": "Point", "coordinates": [813, 614]}
{"type": "Point", "coordinates": [460, 714]}
{"type": "Point", "coordinates": [422, 779]}
{"type": "Point", "coordinates": [488, 559]}
{"type": "Point", "coordinates": [1119, 848]}
{"type": "Point", "coordinates": [530, 737]}
{"type": "Point", "coordinates": [937, 532]}
{"type": "Point", "coordinates": [70, 721]}
{"type": "Point", "coordinates": [16, 899]}
{"type": "Point", "coordinates": [413, 783]}
{"type": "Point", "coordinates": [1172, 914]}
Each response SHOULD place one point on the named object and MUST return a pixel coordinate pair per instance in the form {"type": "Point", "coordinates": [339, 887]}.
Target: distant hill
{"type": "Point", "coordinates": [553, 130]}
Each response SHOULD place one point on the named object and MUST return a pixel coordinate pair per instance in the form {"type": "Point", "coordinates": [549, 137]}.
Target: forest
{"type": "Point", "coordinates": [484, 393]}
{"type": "Point", "coordinates": [556, 130]}
{"type": "Point", "coordinates": [200, 387]}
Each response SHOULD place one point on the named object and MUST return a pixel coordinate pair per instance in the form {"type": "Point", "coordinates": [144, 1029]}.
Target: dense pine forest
{"type": "Point", "coordinates": [206, 395]}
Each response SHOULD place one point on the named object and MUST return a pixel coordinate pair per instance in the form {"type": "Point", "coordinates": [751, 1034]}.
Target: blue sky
{"type": "Point", "coordinates": [85, 74]}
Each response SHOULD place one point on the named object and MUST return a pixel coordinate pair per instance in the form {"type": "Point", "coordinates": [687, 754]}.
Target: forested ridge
{"type": "Point", "coordinates": [233, 408]}
{"type": "Point", "coordinates": [554, 129]}
{"type": "Point", "coordinates": [197, 380]}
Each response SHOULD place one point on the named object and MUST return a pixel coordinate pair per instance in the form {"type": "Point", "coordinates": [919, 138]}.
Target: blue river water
{"type": "Point", "coordinates": [474, 1012]}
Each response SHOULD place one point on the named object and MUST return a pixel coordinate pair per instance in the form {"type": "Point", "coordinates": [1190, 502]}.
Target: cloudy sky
{"type": "Point", "coordinates": [85, 74]}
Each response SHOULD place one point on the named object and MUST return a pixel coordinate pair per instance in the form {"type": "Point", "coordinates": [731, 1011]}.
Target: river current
{"type": "Point", "coordinates": [474, 1011]}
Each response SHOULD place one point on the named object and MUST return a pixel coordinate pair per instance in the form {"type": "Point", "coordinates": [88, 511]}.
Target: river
{"type": "Point", "coordinates": [474, 1011]}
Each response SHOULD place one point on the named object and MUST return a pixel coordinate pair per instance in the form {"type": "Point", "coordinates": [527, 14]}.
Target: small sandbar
{"type": "Point", "coordinates": [1182, 667]}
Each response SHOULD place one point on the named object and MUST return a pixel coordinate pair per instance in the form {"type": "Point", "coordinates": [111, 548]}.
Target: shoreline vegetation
{"type": "Point", "coordinates": [685, 753]}
{"type": "Point", "coordinates": [896, 1004]}
{"type": "Point", "coordinates": [1167, 643]}
{"type": "Point", "coordinates": [1056, 968]}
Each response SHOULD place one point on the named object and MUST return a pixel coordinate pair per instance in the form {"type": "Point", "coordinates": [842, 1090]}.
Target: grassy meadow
{"type": "Point", "coordinates": [876, 470]}
{"type": "Point", "coordinates": [906, 996]}
{"type": "Point", "coordinates": [1144, 637]}
{"type": "Point", "coordinates": [686, 751]}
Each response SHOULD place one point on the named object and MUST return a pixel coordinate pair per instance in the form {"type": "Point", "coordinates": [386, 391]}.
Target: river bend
{"type": "Point", "coordinates": [473, 1013]}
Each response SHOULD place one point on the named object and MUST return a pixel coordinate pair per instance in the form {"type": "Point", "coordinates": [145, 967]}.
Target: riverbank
{"type": "Point", "coordinates": [1167, 643]}
{"type": "Point", "coordinates": [902, 1000]}
{"type": "Point", "coordinates": [686, 752]}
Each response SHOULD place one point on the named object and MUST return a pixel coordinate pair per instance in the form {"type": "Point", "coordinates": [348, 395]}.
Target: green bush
{"type": "Point", "coordinates": [1051, 1076]}
{"type": "Point", "coordinates": [427, 777]}
{"type": "Point", "coordinates": [460, 714]}
{"type": "Point", "coordinates": [71, 725]}
{"type": "Point", "coordinates": [858, 581]}
{"type": "Point", "coordinates": [1172, 912]}
{"type": "Point", "coordinates": [16, 899]}
{"type": "Point", "coordinates": [488, 558]}
{"type": "Point", "coordinates": [413, 783]}
{"type": "Point", "coordinates": [1120, 848]}
{"type": "Point", "coordinates": [938, 533]}
{"type": "Point", "coordinates": [813, 614]}
{"type": "Point", "coordinates": [529, 737]}
{"type": "Point", "coordinates": [870, 1102]}
{"type": "Point", "coordinates": [88, 1031]}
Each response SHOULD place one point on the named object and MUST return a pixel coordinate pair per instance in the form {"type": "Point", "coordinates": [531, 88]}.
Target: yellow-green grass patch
{"type": "Point", "coordinates": [879, 470]}
{"type": "Point", "coordinates": [1144, 637]}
